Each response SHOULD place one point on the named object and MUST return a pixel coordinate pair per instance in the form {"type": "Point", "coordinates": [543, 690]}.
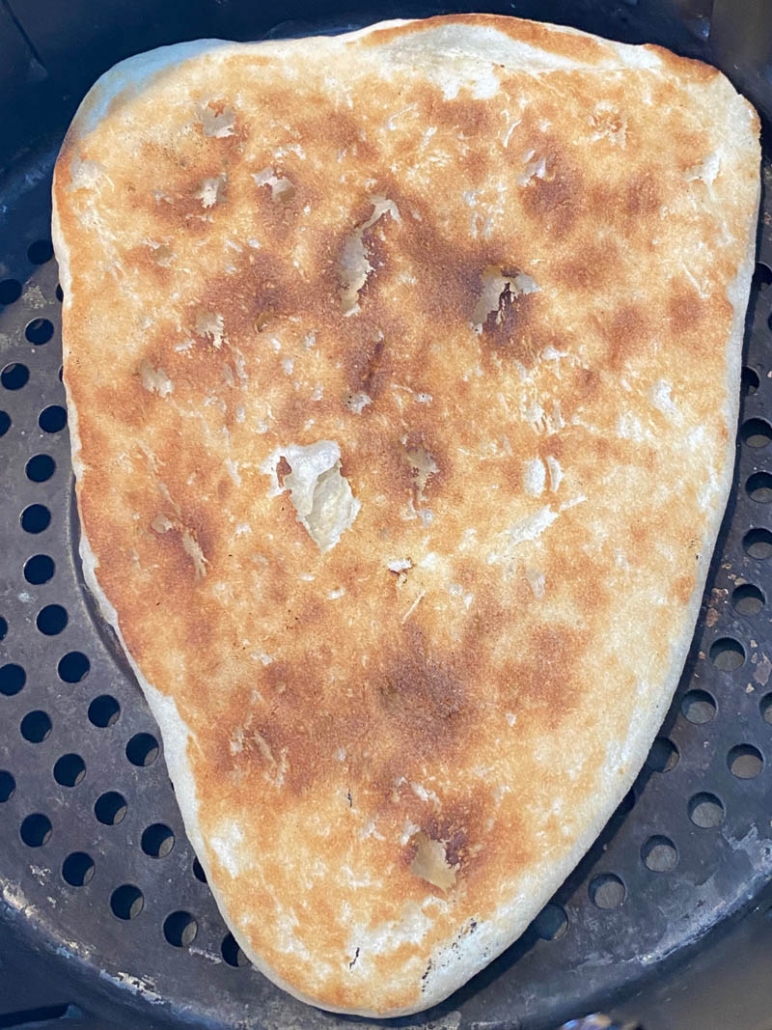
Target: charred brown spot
{"type": "Point", "coordinates": [469, 119]}
{"type": "Point", "coordinates": [683, 588]}
{"type": "Point", "coordinates": [594, 266]}
{"type": "Point", "coordinates": [456, 845]}
{"type": "Point", "coordinates": [283, 468]}
{"type": "Point", "coordinates": [542, 679]}
{"type": "Point", "coordinates": [452, 825]}
{"type": "Point", "coordinates": [627, 334]}
{"type": "Point", "coordinates": [253, 296]}
{"type": "Point", "coordinates": [640, 538]}
{"type": "Point", "coordinates": [153, 261]}
{"type": "Point", "coordinates": [372, 374]}
{"type": "Point", "coordinates": [642, 196]}
{"type": "Point", "coordinates": [554, 445]}
{"type": "Point", "coordinates": [422, 694]}
{"type": "Point", "coordinates": [686, 310]}
{"type": "Point", "coordinates": [555, 201]}
{"type": "Point", "coordinates": [588, 383]}
{"type": "Point", "coordinates": [369, 368]}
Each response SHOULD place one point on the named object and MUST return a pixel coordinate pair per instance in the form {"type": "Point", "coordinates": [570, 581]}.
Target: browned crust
{"type": "Point", "coordinates": [337, 719]}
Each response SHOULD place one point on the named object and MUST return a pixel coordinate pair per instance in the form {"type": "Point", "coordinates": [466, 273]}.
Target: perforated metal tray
{"type": "Point", "coordinates": [97, 878]}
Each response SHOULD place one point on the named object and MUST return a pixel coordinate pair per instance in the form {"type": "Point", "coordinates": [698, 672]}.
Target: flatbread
{"type": "Point", "coordinates": [402, 371]}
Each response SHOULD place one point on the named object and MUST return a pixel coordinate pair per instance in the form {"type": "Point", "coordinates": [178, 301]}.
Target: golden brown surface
{"type": "Point", "coordinates": [499, 283]}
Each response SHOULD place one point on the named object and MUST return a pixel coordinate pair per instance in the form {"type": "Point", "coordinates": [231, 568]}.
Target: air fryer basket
{"type": "Point", "coordinates": [104, 912]}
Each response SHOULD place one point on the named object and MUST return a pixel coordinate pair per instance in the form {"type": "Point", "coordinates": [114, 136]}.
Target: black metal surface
{"type": "Point", "coordinates": [624, 923]}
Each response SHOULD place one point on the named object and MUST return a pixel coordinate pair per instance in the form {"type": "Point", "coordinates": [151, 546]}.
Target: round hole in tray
{"type": "Point", "coordinates": [3, 628]}
{"type": "Point", "coordinates": [39, 331]}
{"type": "Point", "coordinates": [750, 381]}
{"type": "Point", "coordinates": [14, 376]}
{"type": "Point", "coordinates": [51, 619]}
{"type": "Point", "coordinates": [765, 707]}
{"type": "Point", "coordinates": [180, 929]}
{"type": "Point", "coordinates": [12, 679]}
{"type": "Point", "coordinates": [706, 810]}
{"type": "Point", "coordinates": [698, 707]}
{"type": "Point", "coordinates": [232, 953]}
{"type": "Point", "coordinates": [73, 667]}
{"type": "Point", "coordinates": [727, 654]}
{"type": "Point", "coordinates": [759, 487]}
{"type": "Point", "coordinates": [39, 569]}
{"type": "Point", "coordinates": [748, 599]}
{"type": "Point", "coordinates": [52, 419]}
{"type": "Point", "coordinates": [142, 749]}
{"type": "Point", "coordinates": [69, 770]}
{"type": "Point", "coordinates": [5, 422]}
{"type": "Point", "coordinates": [198, 871]}
{"type": "Point", "coordinates": [104, 711]}
{"type": "Point", "coordinates": [7, 785]}
{"type": "Point", "coordinates": [664, 755]}
{"type": "Point", "coordinates": [745, 761]}
{"type": "Point", "coordinates": [762, 276]}
{"type": "Point", "coordinates": [35, 830]}
{"type": "Point", "coordinates": [59, 292]}
{"type": "Point", "coordinates": [110, 808]}
{"type": "Point", "coordinates": [10, 291]}
{"type": "Point", "coordinates": [40, 468]}
{"type": "Point", "coordinates": [36, 726]}
{"type": "Point", "coordinates": [157, 840]}
{"type": "Point", "coordinates": [35, 518]}
{"type": "Point", "coordinates": [42, 251]}
{"type": "Point", "coordinates": [127, 901]}
{"type": "Point", "coordinates": [659, 854]}
{"type": "Point", "coordinates": [756, 432]}
{"type": "Point", "coordinates": [78, 869]}
{"type": "Point", "coordinates": [607, 891]}
{"type": "Point", "coordinates": [551, 923]}
{"type": "Point", "coordinates": [758, 543]}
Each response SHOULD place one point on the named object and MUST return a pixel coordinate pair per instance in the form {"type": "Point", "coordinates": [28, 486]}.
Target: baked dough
{"type": "Point", "coordinates": [402, 372]}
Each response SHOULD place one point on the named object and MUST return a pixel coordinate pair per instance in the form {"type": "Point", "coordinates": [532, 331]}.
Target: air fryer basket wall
{"type": "Point", "coordinates": [102, 907]}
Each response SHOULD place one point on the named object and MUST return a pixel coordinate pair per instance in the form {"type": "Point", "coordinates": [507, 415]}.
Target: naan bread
{"type": "Point", "coordinates": [402, 371]}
